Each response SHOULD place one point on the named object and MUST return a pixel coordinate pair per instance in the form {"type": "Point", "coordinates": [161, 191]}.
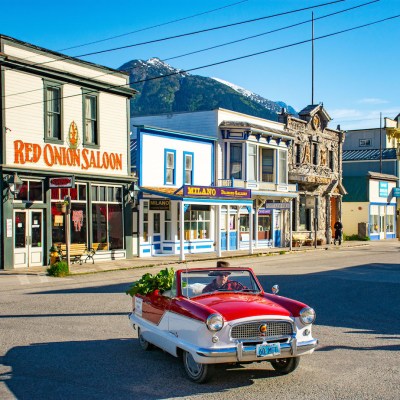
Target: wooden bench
{"type": "Point", "coordinates": [76, 252]}
{"type": "Point", "coordinates": [100, 246]}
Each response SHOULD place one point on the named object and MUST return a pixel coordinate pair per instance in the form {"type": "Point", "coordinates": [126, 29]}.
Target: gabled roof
{"type": "Point", "coordinates": [313, 109]}
{"type": "Point", "coordinates": [371, 154]}
{"type": "Point", "coordinates": [386, 177]}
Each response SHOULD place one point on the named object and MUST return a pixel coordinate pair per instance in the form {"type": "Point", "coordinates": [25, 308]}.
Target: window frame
{"type": "Point", "coordinates": [47, 84]}
{"type": "Point", "coordinates": [282, 179]}
{"type": "Point", "coordinates": [166, 152]}
{"type": "Point", "coordinates": [364, 142]}
{"type": "Point", "coordinates": [235, 145]}
{"type": "Point", "coordinates": [88, 94]}
{"type": "Point", "coordinates": [188, 154]}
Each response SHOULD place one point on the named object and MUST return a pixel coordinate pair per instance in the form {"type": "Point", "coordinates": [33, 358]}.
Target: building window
{"type": "Point", "coordinates": [315, 153]}
{"type": "Point", "coordinates": [331, 160]}
{"type": "Point", "coordinates": [188, 165]}
{"type": "Point", "coordinates": [169, 157]}
{"type": "Point", "coordinates": [78, 215]}
{"type": "Point", "coordinates": [235, 160]}
{"type": "Point", "coordinates": [90, 120]}
{"type": "Point", "coordinates": [251, 162]}
{"type": "Point", "coordinates": [365, 142]}
{"type": "Point", "coordinates": [31, 191]}
{"type": "Point", "coordinates": [304, 215]}
{"type": "Point", "coordinates": [52, 110]}
{"type": "Point", "coordinates": [167, 225]}
{"type": "Point", "coordinates": [107, 221]}
{"type": "Point", "coordinates": [145, 221]}
{"type": "Point", "coordinates": [267, 165]}
{"type": "Point", "coordinates": [297, 153]}
{"type": "Point", "coordinates": [374, 219]}
{"type": "Point", "coordinates": [283, 167]}
{"type": "Point", "coordinates": [197, 222]}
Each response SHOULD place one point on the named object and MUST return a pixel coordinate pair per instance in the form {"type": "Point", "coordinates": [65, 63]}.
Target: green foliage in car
{"type": "Point", "coordinates": [148, 282]}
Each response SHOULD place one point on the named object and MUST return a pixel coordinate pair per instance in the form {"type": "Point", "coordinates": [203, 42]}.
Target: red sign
{"type": "Point", "coordinates": [65, 182]}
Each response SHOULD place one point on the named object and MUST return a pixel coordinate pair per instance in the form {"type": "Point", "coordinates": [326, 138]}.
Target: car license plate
{"type": "Point", "coordinates": [265, 350]}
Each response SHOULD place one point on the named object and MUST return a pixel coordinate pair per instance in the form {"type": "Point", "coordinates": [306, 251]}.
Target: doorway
{"type": "Point", "coordinates": [28, 238]}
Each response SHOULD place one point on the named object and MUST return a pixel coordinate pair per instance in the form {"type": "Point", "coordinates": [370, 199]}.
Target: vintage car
{"type": "Point", "coordinates": [222, 315]}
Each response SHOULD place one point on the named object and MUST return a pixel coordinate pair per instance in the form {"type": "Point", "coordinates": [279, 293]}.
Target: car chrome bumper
{"type": "Point", "coordinates": [243, 352]}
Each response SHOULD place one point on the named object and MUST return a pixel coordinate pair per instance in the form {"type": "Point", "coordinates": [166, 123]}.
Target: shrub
{"type": "Point", "coordinates": [59, 268]}
{"type": "Point", "coordinates": [282, 252]}
{"type": "Point", "coordinates": [149, 283]}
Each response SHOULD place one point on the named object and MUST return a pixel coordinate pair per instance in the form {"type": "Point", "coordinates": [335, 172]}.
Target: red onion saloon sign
{"type": "Point", "coordinates": [51, 155]}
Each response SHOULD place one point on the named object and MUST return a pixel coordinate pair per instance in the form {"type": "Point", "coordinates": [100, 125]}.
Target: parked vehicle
{"type": "Point", "coordinates": [222, 315]}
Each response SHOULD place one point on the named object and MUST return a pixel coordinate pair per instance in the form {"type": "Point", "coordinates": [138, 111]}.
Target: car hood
{"type": "Point", "coordinates": [235, 306]}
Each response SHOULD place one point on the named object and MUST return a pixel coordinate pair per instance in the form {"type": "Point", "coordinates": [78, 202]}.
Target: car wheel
{"type": "Point", "coordinates": [286, 365]}
{"type": "Point", "coordinates": [199, 373]}
{"type": "Point", "coordinates": [144, 344]}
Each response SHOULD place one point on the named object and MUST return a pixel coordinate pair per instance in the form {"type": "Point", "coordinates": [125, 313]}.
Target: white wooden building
{"type": "Point", "coordinates": [62, 118]}
{"type": "Point", "coordinates": [250, 155]}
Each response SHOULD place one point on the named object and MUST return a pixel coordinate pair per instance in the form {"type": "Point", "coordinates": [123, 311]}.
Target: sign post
{"type": "Point", "coordinates": [68, 229]}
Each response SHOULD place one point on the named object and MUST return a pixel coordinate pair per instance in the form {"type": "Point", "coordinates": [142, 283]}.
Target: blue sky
{"type": "Point", "coordinates": [356, 73]}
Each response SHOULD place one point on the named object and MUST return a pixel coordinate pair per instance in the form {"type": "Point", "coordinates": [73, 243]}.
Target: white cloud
{"type": "Point", "coordinates": [372, 100]}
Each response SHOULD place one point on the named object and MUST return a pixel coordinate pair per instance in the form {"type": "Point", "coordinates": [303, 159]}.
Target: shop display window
{"type": "Point", "coordinates": [78, 215]}
{"type": "Point", "coordinates": [30, 191]}
{"type": "Point", "coordinates": [145, 221]}
{"type": "Point", "coordinates": [264, 227]}
{"type": "Point", "coordinates": [107, 217]}
{"type": "Point", "coordinates": [197, 223]}
{"type": "Point", "coordinates": [244, 224]}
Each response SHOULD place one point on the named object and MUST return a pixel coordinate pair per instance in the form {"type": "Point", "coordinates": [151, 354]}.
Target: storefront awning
{"type": "Point", "coordinates": [177, 194]}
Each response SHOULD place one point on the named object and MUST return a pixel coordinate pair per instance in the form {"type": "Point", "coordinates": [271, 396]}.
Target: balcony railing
{"type": "Point", "coordinates": [257, 185]}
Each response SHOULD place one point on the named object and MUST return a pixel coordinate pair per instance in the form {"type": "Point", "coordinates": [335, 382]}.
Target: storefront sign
{"type": "Point", "coordinates": [73, 137]}
{"type": "Point", "coordinates": [62, 182]}
{"type": "Point", "coordinates": [32, 153]}
{"type": "Point", "coordinates": [9, 227]}
{"type": "Point", "coordinates": [277, 206]}
{"type": "Point", "coordinates": [383, 189]}
{"type": "Point", "coordinates": [216, 192]}
{"type": "Point", "coordinates": [264, 211]}
{"type": "Point", "coordinates": [160, 205]}
{"type": "Point", "coordinates": [396, 192]}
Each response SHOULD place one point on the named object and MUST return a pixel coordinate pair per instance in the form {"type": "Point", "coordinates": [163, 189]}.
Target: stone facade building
{"type": "Point", "coordinates": [315, 165]}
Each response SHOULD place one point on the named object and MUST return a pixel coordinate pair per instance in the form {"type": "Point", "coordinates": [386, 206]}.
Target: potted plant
{"type": "Point", "coordinates": [296, 242]}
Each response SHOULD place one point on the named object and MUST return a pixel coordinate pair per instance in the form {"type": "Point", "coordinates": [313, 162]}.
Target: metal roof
{"type": "Point", "coordinates": [370, 154]}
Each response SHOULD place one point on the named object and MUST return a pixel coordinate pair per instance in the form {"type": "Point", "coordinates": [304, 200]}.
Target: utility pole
{"type": "Point", "coordinates": [312, 58]}
{"type": "Point", "coordinates": [380, 143]}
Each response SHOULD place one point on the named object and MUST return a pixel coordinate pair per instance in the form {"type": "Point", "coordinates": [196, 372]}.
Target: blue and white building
{"type": "Point", "coordinates": [232, 166]}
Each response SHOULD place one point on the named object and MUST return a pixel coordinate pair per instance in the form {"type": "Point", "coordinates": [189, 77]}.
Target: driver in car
{"type": "Point", "coordinates": [221, 282]}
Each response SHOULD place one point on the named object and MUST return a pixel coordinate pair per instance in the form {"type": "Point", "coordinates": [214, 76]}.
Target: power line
{"type": "Point", "coordinates": [271, 16]}
{"type": "Point", "coordinates": [268, 32]}
{"type": "Point", "coordinates": [206, 30]}
{"type": "Point", "coordinates": [155, 26]}
{"type": "Point", "coordinates": [228, 60]}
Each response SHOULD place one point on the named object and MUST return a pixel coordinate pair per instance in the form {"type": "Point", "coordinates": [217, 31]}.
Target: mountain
{"type": "Point", "coordinates": [181, 91]}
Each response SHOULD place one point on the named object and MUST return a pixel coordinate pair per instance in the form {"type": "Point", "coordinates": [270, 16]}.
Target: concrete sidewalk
{"type": "Point", "coordinates": [113, 265]}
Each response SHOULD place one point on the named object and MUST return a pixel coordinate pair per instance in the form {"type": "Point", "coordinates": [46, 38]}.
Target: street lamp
{"type": "Point", "coordinates": [133, 193]}
{"type": "Point", "coordinates": [14, 185]}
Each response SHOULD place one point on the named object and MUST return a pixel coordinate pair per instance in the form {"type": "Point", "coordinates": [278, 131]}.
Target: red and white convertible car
{"type": "Point", "coordinates": [222, 315]}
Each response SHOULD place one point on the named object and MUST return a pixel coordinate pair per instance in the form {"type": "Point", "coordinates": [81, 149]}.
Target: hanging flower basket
{"type": "Point", "coordinates": [61, 206]}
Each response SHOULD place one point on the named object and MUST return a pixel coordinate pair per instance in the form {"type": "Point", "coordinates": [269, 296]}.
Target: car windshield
{"type": "Point", "coordinates": [196, 283]}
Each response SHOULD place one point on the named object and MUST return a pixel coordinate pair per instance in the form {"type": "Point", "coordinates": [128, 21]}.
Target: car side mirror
{"type": "Point", "coordinates": [275, 289]}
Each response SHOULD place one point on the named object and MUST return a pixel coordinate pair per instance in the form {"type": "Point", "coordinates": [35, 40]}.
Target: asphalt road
{"type": "Point", "coordinates": [70, 338]}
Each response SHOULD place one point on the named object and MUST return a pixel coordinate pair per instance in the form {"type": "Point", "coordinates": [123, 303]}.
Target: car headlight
{"type": "Point", "coordinates": [307, 315]}
{"type": "Point", "coordinates": [215, 322]}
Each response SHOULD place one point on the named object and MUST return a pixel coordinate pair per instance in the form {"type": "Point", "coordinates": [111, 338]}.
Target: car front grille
{"type": "Point", "coordinates": [251, 330]}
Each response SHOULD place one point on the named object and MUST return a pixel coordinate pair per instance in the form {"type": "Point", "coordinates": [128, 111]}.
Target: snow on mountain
{"type": "Point", "coordinates": [269, 104]}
